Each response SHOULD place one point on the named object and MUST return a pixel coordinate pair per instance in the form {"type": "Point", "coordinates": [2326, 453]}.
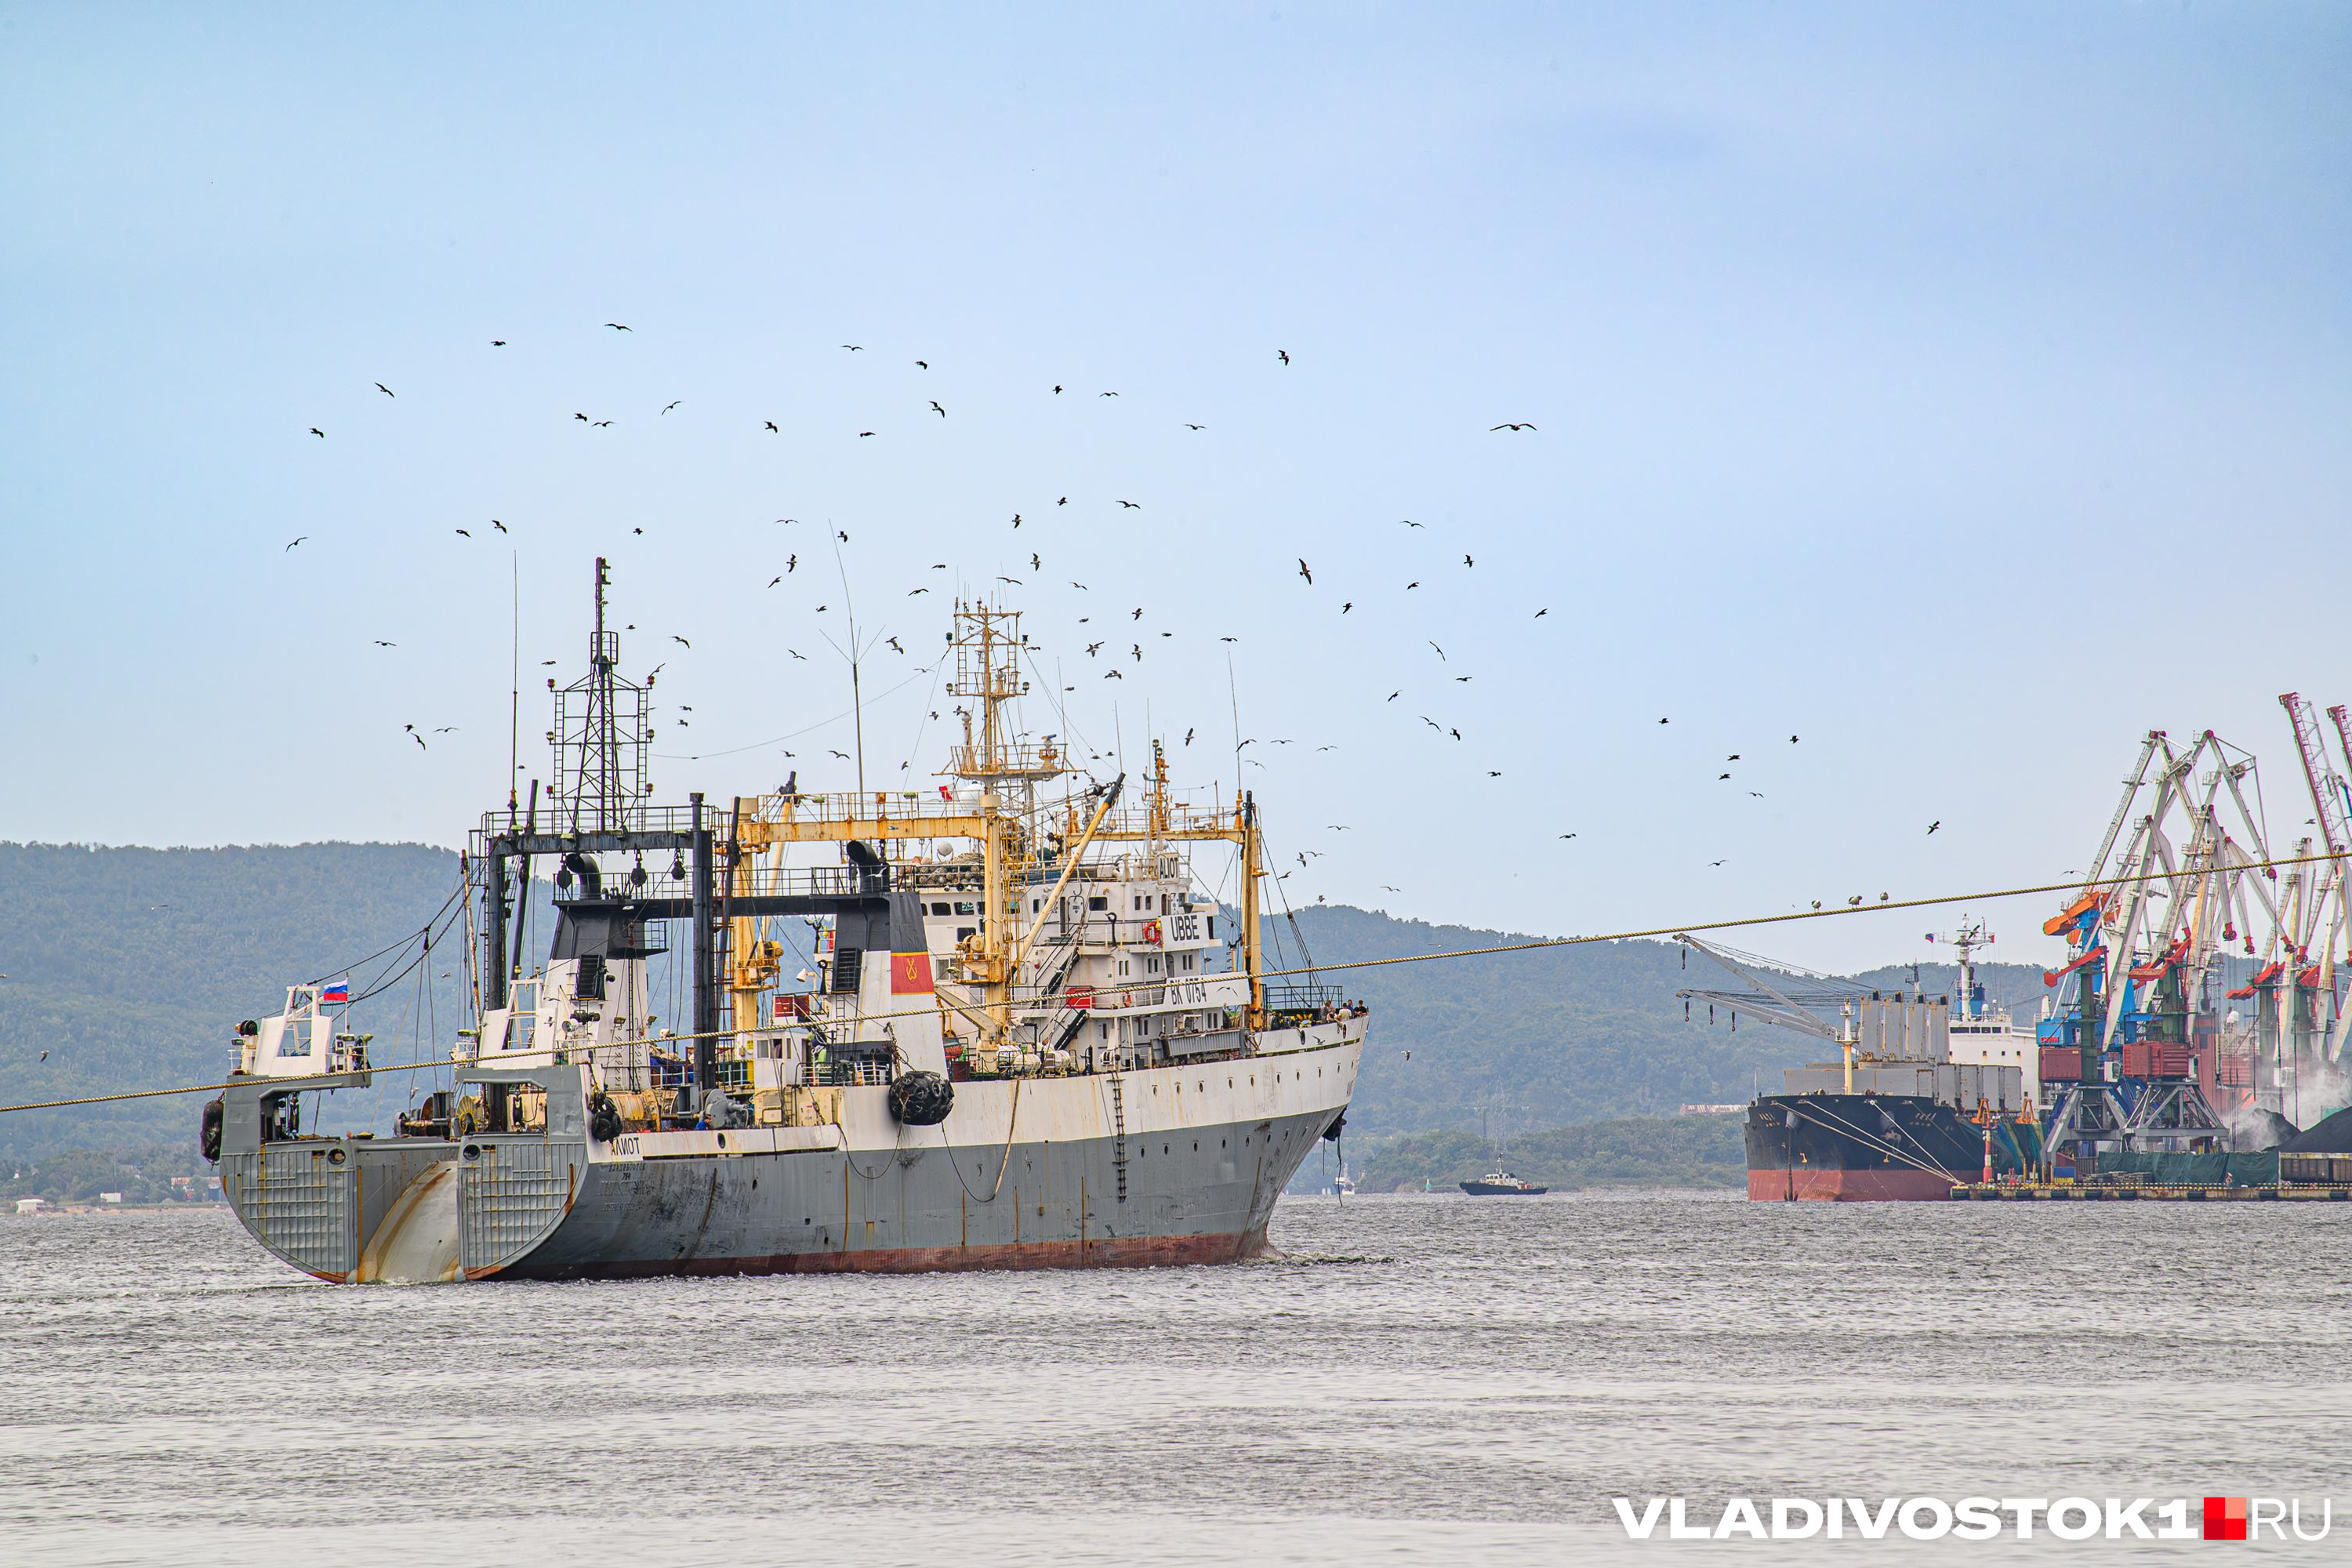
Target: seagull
{"type": "Point", "coordinates": [1733, 758]}
{"type": "Point", "coordinates": [467, 535]}
{"type": "Point", "coordinates": [843, 755]}
{"type": "Point", "coordinates": [498, 343]}
{"type": "Point", "coordinates": [296, 542]}
{"type": "Point", "coordinates": [1792, 739]}
{"type": "Point", "coordinates": [937, 410]}
{"type": "Point", "coordinates": [1092, 649]}
{"type": "Point", "coordinates": [1283, 354]}
{"type": "Point", "coordinates": [772, 426]}
{"type": "Point", "coordinates": [1014, 581]}
{"type": "Point", "coordinates": [894, 641]}
{"type": "Point", "coordinates": [1081, 587]}
{"type": "Point", "coordinates": [1720, 777]}
{"type": "Point", "coordinates": [1394, 695]}
{"type": "Point", "coordinates": [1103, 395]}
{"type": "Point", "coordinates": [321, 434]}
{"type": "Point", "coordinates": [1189, 426]}
{"type": "Point", "coordinates": [581, 417]}
{"type": "Point", "coordinates": [862, 434]}
{"type": "Point", "coordinates": [383, 388]}
{"type": "Point", "coordinates": [672, 403]}
{"type": "Point", "coordinates": [1409, 587]}
{"type": "Point", "coordinates": [545, 662]}
{"type": "Point", "coordinates": [1542, 613]}
{"type": "Point", "coordinates": [1715, 862]}
{"type": "Point", "coordinates": [912, 593]}
{"type": "Point", "coordinates": [1935, 825]}
{"type": "Point", "coordinates": [420, 741]}
{"type": "Point", "coordinates": [1346, 608]}
{"type": "Point", "coordinates": [1494, 774]}
{"type": "Point", "coordinates": [1115, 675]}
{"type": "Point", "coordinates": [1035, 565]}
{"type": "Point", "coordinates": [617, 327]}
{"type": "Point", "coordinates": [797, 653]}
{"type": "Point", "coordinates": [381, 643]}
{"type": "Point", "coordinates": [1408, 523]}
{"type": "Point", "coordinates": [1440, 652]}
{"type": "Point", "coordinates": [1188, 736]}
{"type": "Point", "coordinates": [1462, 679]}
{"type": "Point", "coordinates": [446, 729]}
{"type": "Point", "coordinates": [776, 579]}
{"type": "Point", "coordinates": [1522, 425]}
{"type": "Point", "coordinates": [680, 641]}
{"type": "Point", "coordinates": [603, 424]}
{"type": "Point", "coordinates": [922, 364]}
{"type": "Point", "coordinates": [1132, 505]}
{"type": "Point", "coordinates": [856, 349]}
{"type": "Point", "coordinates": [1756, 794]}
{"type": "Point", "coordinates": [1567, 835]}
{"type": "Point", "coordinates": [1302, 572]}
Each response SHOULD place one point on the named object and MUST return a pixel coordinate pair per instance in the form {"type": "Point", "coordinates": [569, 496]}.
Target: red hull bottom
{"type": "Point", "coordinates": [1114, 1252]}
{"type": "Point", "coordinates": [1848, 1186]}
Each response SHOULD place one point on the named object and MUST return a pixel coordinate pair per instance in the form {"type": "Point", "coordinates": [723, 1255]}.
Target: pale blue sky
{"type": "Point", "coordinates": [1962, 389]}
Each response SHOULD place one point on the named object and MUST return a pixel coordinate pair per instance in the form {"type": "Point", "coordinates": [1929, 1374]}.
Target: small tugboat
{"type": "Point", "coordinates": [1503, 1184]}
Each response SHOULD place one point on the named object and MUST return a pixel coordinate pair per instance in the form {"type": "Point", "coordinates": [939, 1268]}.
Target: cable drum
{"type": "Point", "coordinates": [921, 1099]}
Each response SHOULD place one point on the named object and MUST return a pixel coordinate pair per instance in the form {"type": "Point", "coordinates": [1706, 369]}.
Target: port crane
{"type": "Point", "coordinates": [2319, 916]}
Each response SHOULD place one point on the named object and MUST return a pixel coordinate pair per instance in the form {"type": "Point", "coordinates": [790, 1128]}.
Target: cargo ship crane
{"type": "Point", "coordinates": [1774, 1005]}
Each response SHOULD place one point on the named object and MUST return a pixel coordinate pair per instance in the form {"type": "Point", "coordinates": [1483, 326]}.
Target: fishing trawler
{"type": "Point", "coordinates": [1024, 1033]}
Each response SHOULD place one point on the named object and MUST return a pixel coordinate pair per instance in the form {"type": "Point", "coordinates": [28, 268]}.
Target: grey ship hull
{"type": "Point", "coordinates": [1169, 1165]}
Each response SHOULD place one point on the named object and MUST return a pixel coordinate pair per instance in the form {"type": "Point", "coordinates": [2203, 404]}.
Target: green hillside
{"type": "Point", "coordinates": [130, 967]}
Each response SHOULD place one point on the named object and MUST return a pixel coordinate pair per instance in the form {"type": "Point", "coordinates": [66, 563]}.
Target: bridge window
{"type": "Point", "coordinates": [941, 908]}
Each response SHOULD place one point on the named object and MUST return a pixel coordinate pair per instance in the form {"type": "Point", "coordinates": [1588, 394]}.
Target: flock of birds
{"type": "Point", "coordinates": [1095, 641]}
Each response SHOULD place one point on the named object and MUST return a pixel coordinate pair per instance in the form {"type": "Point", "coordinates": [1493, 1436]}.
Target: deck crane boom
{"type": "Point", "coordinates": [1773, 1006]}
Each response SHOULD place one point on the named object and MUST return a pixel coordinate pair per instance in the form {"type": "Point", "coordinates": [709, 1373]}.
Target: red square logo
{"type": "Point", "coordinates": [2225, 1519]}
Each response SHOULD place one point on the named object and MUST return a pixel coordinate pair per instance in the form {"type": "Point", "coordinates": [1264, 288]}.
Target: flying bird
{"type": "Point", "coordinates": [1468, 562]}
{"type": "Point", "coordinates": [862, 434]}
{"type": "Point", "coordinates": [1440, 652]}
{"type": "Point", "coordinates": [1494, 774]}
{"type": "Point", "coordinates": [843, 534]}
{"type": "Point", "coordinates": [1408, 523]}
{"type": "Point", "coordinates": [1189, 426]}
{"type": "Point", "coordinates": [1522, 425]}
{"type": "Point", "coordinates": [1081, 587]}
{"type": "Point", "coordinates": [295, 541]}
{"type": "Point", "coordinates": [1065, 500]}
{"type": "Point", "coordinates": [1567, 835]}
{"type": "Point", "coordinates": [1108, 394]}
{"type": "Point", "coordinates": [381, 643]}
{"type": "Point", "coordinates": [498, 343]}
{"type": "Point", "coordinates": [467, 535]}
{"type": "Point", "coordinates": [1792, 739]}
{"type": "Point", "coordinates": [937, 410]}
{"type": "Point", "coordinates": [843, 755]}
{"type": "Point", "coordinates": [1016, 520]}
{"type": "Point", "coordinates": [1409, 587]}
{"type": "Point", "coordinates": [1138, 614]}
{"type": "Point", "coordinates": [913, 591]}
{"type": "Point", "coordinates": [581, 417]}
{"type": "Point", "coordinates": [1720, 777]}
{"type": "Point", "coordinates": [772, 426]}
{"type": "Point", "coordinates": [420, 741]}
{"type": "Point", "coordinates": [616, 326]}
{"type": "Point", "coordinates": [672, 403]}
{"type": "Point", "coordinates": [1188, 737]}
{"type": "Point", "coordinates": [1542, 613]}
{"type": "Point", "coordinates": [1132, 505]}
{"type": "Point", "coordinates": [797, 653]}
{"type": "Point", "coordinates": [680, 641]}
{"type": "Point", "coordinates": [776, 579]}
{"type": "Point", "coordinates": [1935, 825]}
{"type": "Point", "coordinates": [1302, 572]}
{"type": "Point", "coordinates": [1014, 581]}
{"type": "Point", "coordinates": [1346, 608]}
{"type": "Point", "coordinates": [1733, 758]}
{"type": "Point", "coordinates": [383, 388]}
{"type": "Point", "coordinates": [856, 349]}
{"type": "Point", "coordinates": [922, 364]}
{"type": "Point", "coordinates": [1661, 720]}
{"type": "Point", "coordinates": [894, 641]}
{"type": "Point", "coordinates": [1034, 563]}
{"type": "Point", "coordinates": [1283, 354]}
{"type": "Point", "coordinates": [1115, 675]}
{"type": "Point", "coordinates": [1394, 695]}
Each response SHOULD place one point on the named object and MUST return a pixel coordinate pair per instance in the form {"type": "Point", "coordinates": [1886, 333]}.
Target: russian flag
{"type": "Point", "coordinates": [336, 992]}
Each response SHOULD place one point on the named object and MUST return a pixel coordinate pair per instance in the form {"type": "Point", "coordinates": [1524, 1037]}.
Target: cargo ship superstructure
{"type": "Point", "coordinates": [1022, 1032]}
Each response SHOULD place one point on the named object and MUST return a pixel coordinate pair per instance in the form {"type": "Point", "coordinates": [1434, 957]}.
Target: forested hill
{"type": "Point", "coordinates": [1533, 1039]}
{"type": "Point", "coordinates": [130, 967]}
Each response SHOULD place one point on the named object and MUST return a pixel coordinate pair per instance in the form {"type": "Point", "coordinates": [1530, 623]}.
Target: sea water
{"type": "Point", "coordinates": [1438, 1379]}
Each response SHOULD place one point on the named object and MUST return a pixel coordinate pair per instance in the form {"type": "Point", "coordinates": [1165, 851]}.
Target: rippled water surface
{"type": "Point", "coordinates": [1422, 1379]}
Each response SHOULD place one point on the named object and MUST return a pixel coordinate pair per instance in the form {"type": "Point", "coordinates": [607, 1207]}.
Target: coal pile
{"type": "Point", "coordinates": [2332, 1136]}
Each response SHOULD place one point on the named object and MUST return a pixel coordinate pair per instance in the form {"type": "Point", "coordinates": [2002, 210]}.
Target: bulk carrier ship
{"type": "Point", "coordinates": [1030, 1036]}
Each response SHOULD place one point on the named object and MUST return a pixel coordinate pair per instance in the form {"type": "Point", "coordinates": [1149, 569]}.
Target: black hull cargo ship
{"type": "Point", "coordinates": [1903, 1148]}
